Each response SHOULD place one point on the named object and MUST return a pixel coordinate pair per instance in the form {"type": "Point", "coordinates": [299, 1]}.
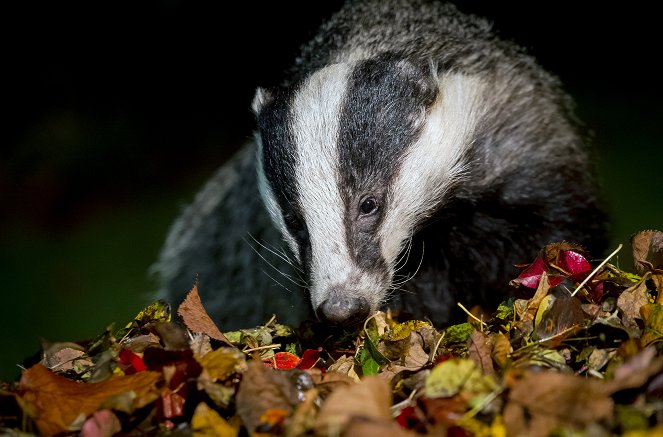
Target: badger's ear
{"type": "Point", "coordinates": [262, 98]}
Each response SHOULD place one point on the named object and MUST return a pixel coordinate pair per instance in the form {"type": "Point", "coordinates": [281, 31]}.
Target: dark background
{"type": "Point", "coordinates": [115, 114]}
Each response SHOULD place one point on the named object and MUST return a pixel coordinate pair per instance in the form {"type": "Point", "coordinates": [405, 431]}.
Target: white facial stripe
{"type": "Point", "coordinates": [315, 124]}
{"type": "Point", "coordinates": [433, 164]}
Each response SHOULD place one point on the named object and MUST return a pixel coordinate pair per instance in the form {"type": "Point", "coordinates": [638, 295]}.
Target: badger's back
{"type": "Point", "coordinates": [522, 178]}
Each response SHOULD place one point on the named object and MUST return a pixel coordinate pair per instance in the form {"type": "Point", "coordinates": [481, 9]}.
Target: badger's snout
{"type": "Point", "coordinates": [341, 309]}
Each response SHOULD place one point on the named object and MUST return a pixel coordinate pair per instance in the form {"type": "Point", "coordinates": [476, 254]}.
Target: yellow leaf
{"type": "Point", "coordinates": [206, 422]}
{"type": "Point", "coordinates": [450, 377]}
{"type": "Point", "coordinates": [223, 362]}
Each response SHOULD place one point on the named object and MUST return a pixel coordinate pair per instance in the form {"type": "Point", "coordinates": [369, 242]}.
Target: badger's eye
{"type": "Point", "coordinates": [368, 206]}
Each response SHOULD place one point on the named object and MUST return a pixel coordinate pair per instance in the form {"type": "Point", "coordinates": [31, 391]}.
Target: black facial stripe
{"type": "Point", "coordinates": [380, 118]}
{"type": "Point", "coordinates": [278, 148]}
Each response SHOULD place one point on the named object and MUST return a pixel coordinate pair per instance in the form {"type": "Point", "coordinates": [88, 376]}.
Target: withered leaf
{"type": "Point", "coordinates": [636, 371]}
{"type": "Point", "coordinates": [54, 402]}
{"type": "Point", "coordinates": [196, 318]}
{"type": "Point", "coordinates": [345, 365]}
{"type": "Point", "coordinates": [451, 376]}
{"type": "Point", "coordinates": [563, 317]}
{"type": "Point", "coordinates": [552, 399]}
{"type": "Point", "coordinates": [61, 356]}
{"type": "Point", "coordinates": [370, 399]}
{"type": "Point", "coordinates": [262, 389]}
{"type": "Point", "coordinates": [480, 349]}
{"type": "Point", "coordinates": [647, 251]}
{"type": "Point", "coordinates": [652, 314]}
{"type": "Point", "coordinates": [501, 349]}
{"type": "Point", "coordinates": [303, 418]}
{"type": "Point", "coordinates": [206, 422]}
{"type": "Point", "coordinates": [526, 309]}
{"type": "Point", "coordinates": [630, 301]}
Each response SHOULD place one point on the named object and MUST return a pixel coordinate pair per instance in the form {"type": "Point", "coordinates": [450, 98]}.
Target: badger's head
{"type": "Point", "coordinates": [351, 160]}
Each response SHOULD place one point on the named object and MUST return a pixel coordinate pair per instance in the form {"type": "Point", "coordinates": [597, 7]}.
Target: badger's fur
{"type": "Point", "coordinates": [409, 159]}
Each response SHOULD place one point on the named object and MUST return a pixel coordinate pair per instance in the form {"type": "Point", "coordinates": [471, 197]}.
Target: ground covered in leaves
{"type": "Point", "coordinates": [579, 352]}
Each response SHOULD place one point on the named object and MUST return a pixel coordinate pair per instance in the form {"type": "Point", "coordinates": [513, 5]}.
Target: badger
{"type": "Point", "coordinates": [409, 159]}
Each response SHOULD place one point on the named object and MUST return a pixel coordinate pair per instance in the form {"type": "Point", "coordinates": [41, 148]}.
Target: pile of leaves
{"type": "Point", "coordinates": [578, 352]}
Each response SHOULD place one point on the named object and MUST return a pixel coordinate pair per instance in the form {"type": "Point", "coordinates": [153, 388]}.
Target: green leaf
{"type": "Point", "coordinates": [458, 333]}
{"type": "Point", "coordinates": [368, 364]}
{"type": "Point", "coordinates": [505, 310]}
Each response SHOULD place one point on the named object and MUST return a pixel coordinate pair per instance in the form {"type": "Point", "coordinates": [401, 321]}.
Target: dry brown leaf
{"type": "Point", "coordinates": [55, 402]}
{"type": "Point", "coordinates": [303, 418]}
{"type": "Point", "coordinates": [647, 251]}
{"type": "Point", "coordinates": [630, 301]}
{"type": "Point", "coordinates": [262, 389]}
{"type": "Point", "coordinates": [329, 381]}
{"type": "Point", "coordinates": [480, 348]}
{"type": "Point", "coordinates": [527, 308]}
{"type": "Point", "coordinates": [345, 366]}
{"type": "Point", "coordinates": [501, 349]}
{"type": "Point", "coordinates": [61, 356]}
{"type": "Point", "coordinates": [369, 399]}
{"type": "Point", "coordinates": [636, 370]}
{"type": "Point", "coordinates": [196, 318]}
{"type": "Point", "coordinates": [414, 358]}
{"type": "Point", "coordinates": [362, 428]}
{"type": "Point", "coordinates": [560, 319]}
{"type": "Point", "coordinates": [539, 402]}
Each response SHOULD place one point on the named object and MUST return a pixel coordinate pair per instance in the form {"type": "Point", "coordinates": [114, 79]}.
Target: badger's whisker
{"type": "Point", "coordinates": [404, 257]}
{"type": "Point", "coordinates": [295, 280]}
{"type": "Point", "coordinates": [279, 253]}
{"type": "Point", "coordinates": [412, 275]}
{"type": "Point", "coordinates": [277, 282]}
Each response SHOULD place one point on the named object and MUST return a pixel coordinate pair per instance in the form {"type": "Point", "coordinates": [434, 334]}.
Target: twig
{"type": "Point", "coordinates": [599, 267]}
{"type": "Point", "coordinates": [472, 315]}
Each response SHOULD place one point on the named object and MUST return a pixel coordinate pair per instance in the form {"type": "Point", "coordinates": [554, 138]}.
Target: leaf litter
{"type": "Point", "coordinates": [577, 352]}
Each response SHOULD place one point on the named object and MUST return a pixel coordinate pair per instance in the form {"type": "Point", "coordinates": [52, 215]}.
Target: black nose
{"type": "Point", "coordinates": [343, 310]}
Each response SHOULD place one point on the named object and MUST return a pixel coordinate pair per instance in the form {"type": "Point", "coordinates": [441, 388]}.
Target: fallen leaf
{"type": "Point", "coordinates": [647, 251]}
{"type": "Point", "coordinates": [102, 423]}
{"type": "Point", "coordinates": [539, 402]}
{"type": "Point", "coordinates": [310, 358]}
{"type": "Point", "coordinates": [531, 276]}
{"type": "Point", "coordinates": [636, 370]}
{"type": "Point", "coordinates": [263, 388]}
{"type": "Point", "coordinates": [172, 404]}
{"type": "Point", "coordinates": [222, 363]}
{"type": "Point", "coordinates": [130, 363]}
{"type": "Point", "coordinates": [370, 399]}
{"type": "Point", "coordinates": [501, 349]}
{"type": "Point", "coordinates": [60, 356]}
{"type": "Point", "coordinates": [206, 422]}
{"type": "Point", "coordinates": [480, 349]}
{"type": "Point", "coordinates": [195, 316]}
{"type": "Point", "coordinates": [630, 301]}
{"type": "Point", "coordinates": [283, 360]}
{"type": "Point", "coordinates": [158, 311]}
{"type": "Point", "coordinates": [652, 314]}
{"type": "Point", "coordinates": [345, 365]}
{"type": "Point", "coordinates": [450, 377]}
{"type": "Point", "coordinates": [304, 416]}
{"type": "Point", "coordinates": [54, 402]}
{"type": "Point", "coordinates": [562, 318]}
